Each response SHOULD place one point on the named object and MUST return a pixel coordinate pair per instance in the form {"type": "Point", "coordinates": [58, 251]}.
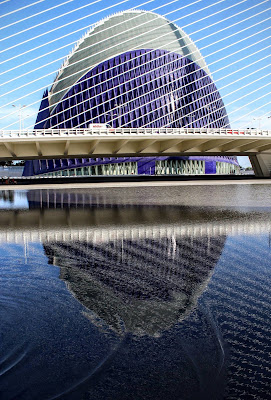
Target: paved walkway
{"type": "Point", "coordinates": [136, 184]}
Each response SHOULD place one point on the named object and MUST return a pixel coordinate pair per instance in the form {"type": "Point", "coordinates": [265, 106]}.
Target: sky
{"type": "Point", "coordinates": [233, 36]}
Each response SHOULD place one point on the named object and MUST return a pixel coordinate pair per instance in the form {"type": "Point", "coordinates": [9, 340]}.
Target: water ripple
{"type": "Point", "coordinates": [12, 358]}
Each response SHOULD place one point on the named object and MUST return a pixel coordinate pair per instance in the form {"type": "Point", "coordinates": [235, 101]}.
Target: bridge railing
{"type": "Point", "coordinates": [132, 132]}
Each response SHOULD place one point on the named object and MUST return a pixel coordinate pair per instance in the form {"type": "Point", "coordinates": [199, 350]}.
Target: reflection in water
{"type": "Point", "coordinates": [164, 301]}
{"type": "Point", "coordinates": [139, 286]}
{"type": "Point", "coordinates": [7, 196]}
{"type": "Point", "coordinates": [143, 285]}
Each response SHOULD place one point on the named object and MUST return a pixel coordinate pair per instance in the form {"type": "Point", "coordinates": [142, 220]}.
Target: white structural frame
{"type": "Point", "coordinates": [110, 142]}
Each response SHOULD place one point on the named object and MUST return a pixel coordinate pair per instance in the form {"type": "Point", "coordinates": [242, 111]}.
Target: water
{"type": "Point", "coordinates": [136, 293]}
{"type": "Point", "coordinates": [11, 171]}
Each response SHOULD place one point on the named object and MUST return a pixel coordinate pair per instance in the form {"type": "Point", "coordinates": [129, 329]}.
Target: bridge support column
{"type": "Point", "coordinates": [261, 164]}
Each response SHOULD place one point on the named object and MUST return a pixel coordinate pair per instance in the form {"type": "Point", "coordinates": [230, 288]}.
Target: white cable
{"type": "Point", "coordinates": [251, 112]}
{"type": "Point", "coordinates": [236, 61]}
{"type": "Point", "coordinates": [226, 56]}
{"type": "Point", "coordinates": [143, 23]}
{"type": "Point", "coordinates": [88, 27]}
{"type": "Point", "coordinates": [246, 66]}
{"type": "Point", "coordinates": [62, 47]}
{"type": "Point", "coordinates": [223, 87]}
{"type": "Point", "coordinates": [22, 8]}
{"type": "Point", "coordinates": [255, 90]}
{"type": "Point", "coordinates": [14, 111]}
{"type": "Point", "coordinates": [225, 106]}
{"type": "Point", "coordinates": [200, 98]}
{"type": "Point", "coordinates": [79, 61]}
{"type": "Point", "coordinates": [213, 103]}
{"type": "Point", "coordinates": [63, 26]}
{"type": "Point", "coordinates": [173, 1]}
{"type": "Point", "coordinates": [31, 16]}
{"type": "Point", "coordinates": [127, 50]}
{"type": "Point", "coordinates": [183, 47]}
{"type": "Point", "coordinates": [245, 105]}
{"type": "Point", "coordinates": [265, 85]}
{"type": "Point", "coordinates": [154, 78]}
{"type": "Point", "coordinates": [51, 62]}
{"type": "Point", "coordinates": [176, 80]}
{"type": "Point", "coordinates": [255, 109]}
{"type": "Point", "coordinates": [173, 82]}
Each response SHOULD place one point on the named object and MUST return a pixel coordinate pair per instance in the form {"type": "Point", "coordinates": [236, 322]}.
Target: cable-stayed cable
{"type": "Point", "coordinates": [245, 105]}
{"type": "Point", "coordinates": [32, 16]}
{"type": "Point", "coordinates": [66, 45]}
{"type": "Point", "coordinates": [112, 46]}
{"type": "Point", "coordinates": [88, 27]}
{"type": "Point", "coordinates": [232, 53]}
{"type": "Point", "coordinates": [22, 8]}
{"type": "Point", "coordinates": [46, 54]}
{"type": "Point", "coordinates": [254, 109]}
{"type": "Point", "coordinates": [198, 99]}
{"type": "Point", "coordinates": [226, 46]}
{"type": "Point", "coordinates": [213, 102]}
{"type": "Point", "coordinates": [236, 61]}
{"type": "Point", "coordinates": [186, 25]}
{"type": "Point", "coordinates": [175, 81]}
{"type": "Point", "coordinates": [265, 115]}
{"type": "Point", "coordinates": [63, 26]}
{"type": "Point", "coordinates": [240, 50]}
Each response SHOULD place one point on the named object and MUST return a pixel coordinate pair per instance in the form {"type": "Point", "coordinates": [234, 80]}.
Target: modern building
{"type": "Point", "coordinates": [134, 69]}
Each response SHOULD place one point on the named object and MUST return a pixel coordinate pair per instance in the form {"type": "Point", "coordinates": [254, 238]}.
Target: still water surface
{"type": "Point", "coordinates": [137, 293]}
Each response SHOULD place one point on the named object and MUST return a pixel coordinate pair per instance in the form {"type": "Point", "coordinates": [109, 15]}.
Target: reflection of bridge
{"type": "Point", "coordinates": [82, 225]}
{"type": "Point", "coordinates": [58, 143]}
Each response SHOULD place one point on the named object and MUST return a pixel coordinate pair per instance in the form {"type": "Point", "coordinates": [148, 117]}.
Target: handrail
{"type": "Point", "coordinates": [133, 131]}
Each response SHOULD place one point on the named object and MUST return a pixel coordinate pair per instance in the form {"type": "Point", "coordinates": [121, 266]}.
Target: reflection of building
{"type": "Point", "coordinates": [142, 285]}
{"type": "Point", "coordinates": [150, 75]}
{"type": "Point", "coordinates": [7, 195]}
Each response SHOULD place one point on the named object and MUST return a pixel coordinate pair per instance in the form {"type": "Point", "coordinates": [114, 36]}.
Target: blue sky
{"type": "Point", "coordinates": [227, 41]}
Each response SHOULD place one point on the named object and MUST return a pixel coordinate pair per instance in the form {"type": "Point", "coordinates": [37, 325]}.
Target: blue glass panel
{"type": "Point", "coordinates": [140, 94]}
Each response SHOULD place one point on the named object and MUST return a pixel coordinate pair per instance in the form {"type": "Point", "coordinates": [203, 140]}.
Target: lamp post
{"type": "Point", "coordinates": [20, 114]}
{"type": "Point", "coordinates": [111, 115]}
{"type": "Point", "coordinates": [118, 110]}
{"type": "Point", "coordinates": [172, 108]}
{"type": "Point", "coordinates": [191, 119]}
{"type": "Point", "coordinates": [259, 119]}
{"type": "Point", "coordinates": [209, 108]}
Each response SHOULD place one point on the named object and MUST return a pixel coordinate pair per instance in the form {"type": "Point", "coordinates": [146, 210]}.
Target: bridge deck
{"type": "Point", "coordinates": [58, 143]}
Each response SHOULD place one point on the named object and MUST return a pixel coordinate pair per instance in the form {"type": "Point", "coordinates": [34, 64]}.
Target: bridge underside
{"type": "Point", "coordinates": [261, 164]}
{"type": "Point", "coordinates": [48, 146]}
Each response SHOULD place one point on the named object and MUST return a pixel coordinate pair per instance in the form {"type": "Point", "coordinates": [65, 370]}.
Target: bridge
{"type": "Point", "coordinates": [106, 234]}
{"type": "Point", "coordinates": [102, 224]}
{"type": "Point", "coordinates": [109, 142]}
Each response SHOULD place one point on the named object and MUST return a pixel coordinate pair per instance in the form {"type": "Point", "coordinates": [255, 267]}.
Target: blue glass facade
{"type": "Point", "coordinates": [139, 88]}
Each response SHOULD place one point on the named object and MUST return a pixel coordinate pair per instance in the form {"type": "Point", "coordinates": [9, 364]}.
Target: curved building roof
{"type": "Point", "coordinates": [128, 30]}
